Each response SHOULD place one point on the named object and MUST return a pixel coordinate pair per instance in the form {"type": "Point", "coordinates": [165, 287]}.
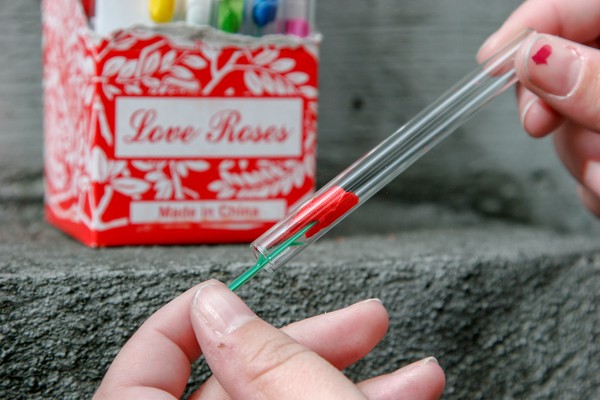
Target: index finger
{"type": "Point", "coordinates": [576, 20]}
{"type": "Point", "coordinates": [156, 362]}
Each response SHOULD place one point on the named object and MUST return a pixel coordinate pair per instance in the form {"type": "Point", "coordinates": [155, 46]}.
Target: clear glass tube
{"type": "Point", "coordinates": [359, 182]}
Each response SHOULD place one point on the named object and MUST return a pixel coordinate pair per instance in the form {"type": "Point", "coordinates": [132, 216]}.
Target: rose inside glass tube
{"type": "Point", "coordinates": [359, 182]}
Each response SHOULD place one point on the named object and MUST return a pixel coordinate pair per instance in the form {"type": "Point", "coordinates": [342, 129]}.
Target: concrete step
{"type": "Point", "coordinates": [509, 311]}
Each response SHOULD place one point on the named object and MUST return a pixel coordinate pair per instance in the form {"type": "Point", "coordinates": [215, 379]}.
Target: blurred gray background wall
{"type": "Point", "coordinates": [382, 61]}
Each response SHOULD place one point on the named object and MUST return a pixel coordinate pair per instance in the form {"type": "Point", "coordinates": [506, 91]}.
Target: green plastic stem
{"type": "Point", "coordinates": [264, 260]}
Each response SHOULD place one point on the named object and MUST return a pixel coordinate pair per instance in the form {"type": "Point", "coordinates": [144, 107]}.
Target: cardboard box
{"type": "Point", "coordinates": [174, 135]}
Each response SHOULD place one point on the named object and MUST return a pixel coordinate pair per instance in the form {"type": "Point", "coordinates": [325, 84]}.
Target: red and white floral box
{"type": "Point", "coordinates": [174, 136]}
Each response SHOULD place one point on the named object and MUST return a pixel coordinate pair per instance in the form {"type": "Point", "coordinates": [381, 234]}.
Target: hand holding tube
{"type": "Point", "coordinates": [559, 89]}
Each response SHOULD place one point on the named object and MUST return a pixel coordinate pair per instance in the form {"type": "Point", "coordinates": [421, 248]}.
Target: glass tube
{"type": "Point", "coordinates": [359, 182]}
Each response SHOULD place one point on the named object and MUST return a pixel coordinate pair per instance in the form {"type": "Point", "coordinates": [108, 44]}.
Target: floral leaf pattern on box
{"type": "Point", "coordinates": [91, 188]}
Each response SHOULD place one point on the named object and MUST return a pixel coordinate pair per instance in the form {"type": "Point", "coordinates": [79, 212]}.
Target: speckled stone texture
{"type": "Point", "coordinates": [510, 311]}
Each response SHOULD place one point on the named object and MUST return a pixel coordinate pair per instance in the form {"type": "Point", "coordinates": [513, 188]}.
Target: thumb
{"type": "Point", "coordinates": [253, 360]}
{"type": "Point", "coordinates": [565, 75]}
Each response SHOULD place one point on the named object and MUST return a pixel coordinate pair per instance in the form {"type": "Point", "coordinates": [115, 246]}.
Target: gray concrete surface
{"type": "Point", "coordinates": [510, 311]}
{"type": "Point", "coordinates": [481, 251]}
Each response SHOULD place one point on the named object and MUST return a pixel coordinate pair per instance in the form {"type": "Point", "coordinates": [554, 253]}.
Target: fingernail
{"type": "Point", "coordinates": [219, 309]}
{"type": "Point", "coordinates": [591, 177]}
{"type": "Point", "coordinates": [554, 65]}
{"type": "Point", "coordinates": [429, 360]}
{"type": "Point", "coordinates": [373, 300]}
{"type": "Point", "coordinates": [417, 364]}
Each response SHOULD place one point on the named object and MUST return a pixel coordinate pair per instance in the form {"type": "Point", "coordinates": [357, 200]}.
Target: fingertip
{"type": "Point", "coordinates": [199, 287]}
{"type": "Point", "coordinates": [421, 380]}
{"type": "Point", "coordinates": [498, 39]}
{"type": "Point", "coordinates": [538, 118]}
{"type": "Point", "coordinates": [343, 336]}
{"type": "Point", "coordinates": [550, 66]}
{"type": "Point", "coordinates": [590, 189]}
{"type": "Point", "coordinates": [377, 311]}
{"type": "Point", "coordinates": [216, 311]}
{"type": "Point", "coordinates": [379, 317]}
{"type": "Point", "coordinates": [427, 370]}
{"type": "Point", "coordinates": [562, 73]}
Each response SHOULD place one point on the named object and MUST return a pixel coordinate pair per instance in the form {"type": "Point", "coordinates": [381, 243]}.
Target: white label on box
{"type": "Point", "coordinates": [144, 212]}
{"type": "Point", "coordinates": [177, 127]}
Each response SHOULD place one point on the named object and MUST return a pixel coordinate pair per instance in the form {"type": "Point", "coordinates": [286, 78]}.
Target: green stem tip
{"type": "Point", "coordinates": [264, 260]}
